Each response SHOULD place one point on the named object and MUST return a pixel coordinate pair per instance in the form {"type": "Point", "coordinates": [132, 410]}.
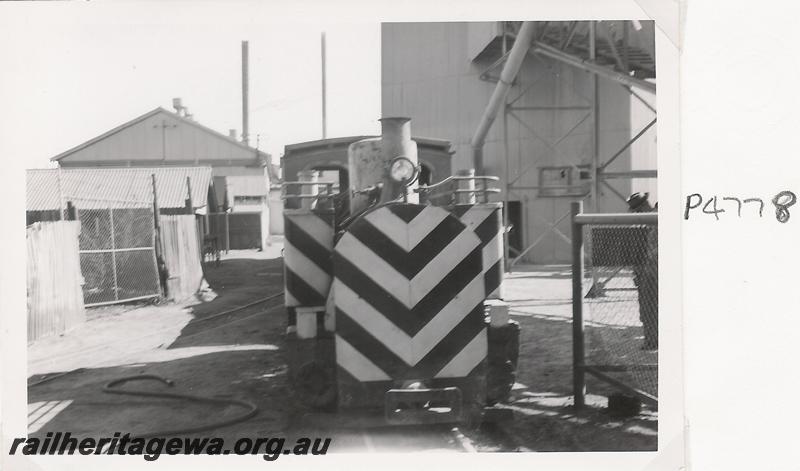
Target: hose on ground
{"type": "Point", "coordinates": [251, 409]}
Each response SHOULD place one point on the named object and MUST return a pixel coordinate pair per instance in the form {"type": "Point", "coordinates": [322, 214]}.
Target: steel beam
{"type": "Point", "coordinates": [589, 66]}
{"type": "Point", "coordinates": [628, 144]}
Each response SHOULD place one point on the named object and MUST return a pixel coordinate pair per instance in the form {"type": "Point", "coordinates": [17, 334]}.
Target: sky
{"type": "Point", "coordinates": [79, 72]}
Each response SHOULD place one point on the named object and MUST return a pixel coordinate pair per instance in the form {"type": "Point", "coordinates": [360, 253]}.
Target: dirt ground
{"type": "Point", "coordinates": [241, 355]}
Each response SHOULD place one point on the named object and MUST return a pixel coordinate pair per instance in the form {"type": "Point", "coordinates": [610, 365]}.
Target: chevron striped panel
{"type": "Point", "coordinates": [308, 244]}
{"type": "Point", "coordinates": [486, 220]}
{"type": "Point", "coordinates": [409, 292]}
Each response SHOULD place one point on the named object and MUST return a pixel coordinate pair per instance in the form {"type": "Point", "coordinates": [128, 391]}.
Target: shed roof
{"type": "Point", "coordinates": [74, 156]}
{"type": "Point", "coordinates": [50, 189]}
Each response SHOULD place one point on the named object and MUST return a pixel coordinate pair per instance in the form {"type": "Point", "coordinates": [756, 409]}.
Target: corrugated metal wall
{"type": "Point", "coordinates": [181, 249]}
{"type": "Point", "coordinates": [55, 298]}
{"type": "Point", "coordinates": [428, 75]}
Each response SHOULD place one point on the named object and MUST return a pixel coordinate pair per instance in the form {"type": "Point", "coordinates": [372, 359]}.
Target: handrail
{"type": "Point", "coordinates": [327, 194]}
{"type": "Point", "coordinates": [616, 218]}
{"type": "Point", "coordinates": [456, 178]}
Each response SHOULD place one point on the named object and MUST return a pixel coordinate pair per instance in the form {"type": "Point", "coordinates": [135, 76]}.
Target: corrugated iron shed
{"type": "Point", "coordinates": [50, 189]}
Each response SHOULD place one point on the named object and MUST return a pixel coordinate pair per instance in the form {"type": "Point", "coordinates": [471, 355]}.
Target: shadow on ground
{"type": "Point", "coordinates": [248, 364]}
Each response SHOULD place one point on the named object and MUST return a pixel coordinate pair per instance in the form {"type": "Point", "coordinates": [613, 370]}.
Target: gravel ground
{"type": "Point", "coordinates": [241, 355]}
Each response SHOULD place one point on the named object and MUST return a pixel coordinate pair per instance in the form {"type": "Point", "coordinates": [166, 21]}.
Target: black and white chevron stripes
{"type": "Point", "coordinates": [486, 220]}
{"type": "Point", "coordinates": [409, 292]}
{"type": "Point", "coordinates": [308, 243]}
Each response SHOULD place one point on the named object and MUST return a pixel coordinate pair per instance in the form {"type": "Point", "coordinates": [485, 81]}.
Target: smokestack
{"type": "Point", "coordinates": [324, 107]}
{"type": "Point", "coordinates": [178, 105]}
{"type": "Point", "coordinates": [245, 110]}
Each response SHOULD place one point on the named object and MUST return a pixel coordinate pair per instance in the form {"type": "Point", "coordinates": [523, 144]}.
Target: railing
{"type": "Point", "coordinates": [613, 356]}
{"type": "Point", "coordinates": [310, 192]}
{"type": "Point", "coordinates": [466, 186]}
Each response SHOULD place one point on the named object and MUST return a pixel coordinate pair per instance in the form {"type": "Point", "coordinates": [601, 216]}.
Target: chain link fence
{"type": "Point", "coordinates": [117, 249]}
{"type": "Point", "coordinates": [619, 302]}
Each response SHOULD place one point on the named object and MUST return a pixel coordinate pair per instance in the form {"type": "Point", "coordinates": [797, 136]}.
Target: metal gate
{"type": "Point", "coordinates": [117, 251]}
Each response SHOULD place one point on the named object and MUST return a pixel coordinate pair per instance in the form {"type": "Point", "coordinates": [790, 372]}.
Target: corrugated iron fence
{"type": "Point", "coordinates": [55, 300]}
{"type": "Point", "coordinates": [179, 241]}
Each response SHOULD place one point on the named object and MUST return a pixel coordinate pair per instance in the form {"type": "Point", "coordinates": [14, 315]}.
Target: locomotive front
{"type": "Point", "coordinates": [395, 304]}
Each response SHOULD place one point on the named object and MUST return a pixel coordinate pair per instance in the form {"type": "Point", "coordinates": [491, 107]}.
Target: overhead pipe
{"type": "Point", "coordinates": [510, 70]}
{"type": "Point", "coordinates": [561, 56]}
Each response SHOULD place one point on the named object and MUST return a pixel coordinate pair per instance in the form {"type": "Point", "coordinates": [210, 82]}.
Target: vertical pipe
{"type": "Point", "coordinates": [578, 380]}
{"type": "Point", "coordinates": [324, 89]}
{"type": "Point", "coordinates": [595, 120]}
{"type": "Point", "coordinates": [245, 94]}
{"type": "Point", "coordinates": [513, 63]}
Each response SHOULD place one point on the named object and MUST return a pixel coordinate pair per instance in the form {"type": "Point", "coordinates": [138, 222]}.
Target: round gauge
{"type": "Point", "coordinates": [402, 169]}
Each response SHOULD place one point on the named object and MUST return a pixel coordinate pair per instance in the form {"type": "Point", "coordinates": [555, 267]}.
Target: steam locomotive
{"type": "Point", "coordinates": [393, 289]}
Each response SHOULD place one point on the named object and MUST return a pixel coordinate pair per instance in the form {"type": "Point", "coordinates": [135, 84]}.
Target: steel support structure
{"type": "Point", "coordinates": [599, 176]}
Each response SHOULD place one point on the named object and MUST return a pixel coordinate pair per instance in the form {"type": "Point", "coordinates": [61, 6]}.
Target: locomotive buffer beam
{"type": "Point", "coordinates": [411, 406]}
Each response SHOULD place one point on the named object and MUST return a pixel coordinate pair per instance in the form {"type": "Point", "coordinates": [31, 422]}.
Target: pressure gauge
{"type": "Point", "coordinates": [402, 170]}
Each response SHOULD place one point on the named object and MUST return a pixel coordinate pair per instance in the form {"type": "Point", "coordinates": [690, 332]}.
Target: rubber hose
{"type": "Point", "coordinates": [252, 409]}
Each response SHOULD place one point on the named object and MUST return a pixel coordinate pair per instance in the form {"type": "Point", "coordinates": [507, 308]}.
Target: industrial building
{"type": "Point", "coordinates": [577, 119]}
{"type": "Point", "coordinates": [161, 138]}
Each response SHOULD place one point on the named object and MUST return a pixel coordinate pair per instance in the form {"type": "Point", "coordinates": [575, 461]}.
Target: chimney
{"type": "Point", "coordinates": [245, 110]}
{"type": "Point", "coordinates": [178, 105]}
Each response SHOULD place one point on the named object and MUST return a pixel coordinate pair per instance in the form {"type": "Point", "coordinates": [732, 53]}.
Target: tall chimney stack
{"type": "Point", "coordinates": [245, 98]}
{"type": "Point", "coordinates": [324, 90]}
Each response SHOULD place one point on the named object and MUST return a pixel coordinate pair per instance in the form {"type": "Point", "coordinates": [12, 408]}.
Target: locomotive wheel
{"type": "Point", "coordinates": [315, 386]}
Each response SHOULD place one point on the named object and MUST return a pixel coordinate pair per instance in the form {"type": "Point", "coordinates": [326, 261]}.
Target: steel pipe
{"type": "Point", "coordinates": [561, 56]}
{"type": "Point", "coordinates": [510, 70]}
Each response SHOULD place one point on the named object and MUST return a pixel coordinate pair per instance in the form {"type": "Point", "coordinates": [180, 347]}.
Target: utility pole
{"type": "Point", "coordinates": [245, 93]}
{"type": "Point", "coordinates": [324, 104]}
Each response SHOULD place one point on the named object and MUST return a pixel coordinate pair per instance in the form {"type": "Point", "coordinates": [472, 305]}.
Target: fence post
{"type": "Point", "coordinates": [227, 233]}
{"type": "Point", "coordinates": [70, 211]}
{"type": "Point", "coordinates": [160, 265]}
{"type": "Point", "coordinates": [189, 203]}
{"type": "Point", "coordinates": [114, 254]}
{"type": "Point", "coordinates": [578, 354]}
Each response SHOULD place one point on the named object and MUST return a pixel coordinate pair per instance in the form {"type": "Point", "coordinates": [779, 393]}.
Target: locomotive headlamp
{"type": "Point", "coordinates": [402, 170]}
